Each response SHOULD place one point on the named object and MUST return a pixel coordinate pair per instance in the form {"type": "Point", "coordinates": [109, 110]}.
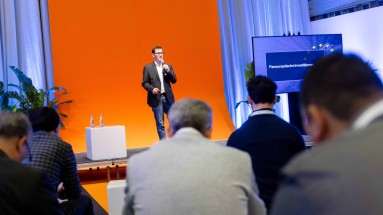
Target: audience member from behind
{"type": "Point", "coordinates": [23, 190]}
{"type": "Point", "coordinates": [269, 140]}
{"type": "Point", "coordinates": [188, 173]}
{"type": "Point", "coordinates": [342, 97]}
{"type": "Point", "coordinates": [57, 159]}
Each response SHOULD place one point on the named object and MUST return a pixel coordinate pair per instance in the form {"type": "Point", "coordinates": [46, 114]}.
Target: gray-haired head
{"type": "Point", "coordinates": [190, 113]}
{"type": "Point", "coordinates": [14, 124]}
{"type": "Point", "coordinates": [14, 131]}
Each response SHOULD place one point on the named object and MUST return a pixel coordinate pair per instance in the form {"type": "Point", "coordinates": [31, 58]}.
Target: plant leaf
{"type": "Point", "coordinates": [22, 77]}
{"type": "Point", "coordinates": [66, 102]}
{"type": "Point", "coordinates": [63, 115]}
{"type": "Point", "coordinates": [16, 86]}
{"type": "Point", "coordinates": [29, 97]}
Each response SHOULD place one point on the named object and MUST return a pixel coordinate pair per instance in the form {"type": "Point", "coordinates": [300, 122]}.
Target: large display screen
{"type": "Point", "coordinates": [286, 59]}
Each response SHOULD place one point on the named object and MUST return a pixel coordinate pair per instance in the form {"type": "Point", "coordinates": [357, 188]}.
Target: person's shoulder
{"type": "Point", "coordinates": [230, 153]}
{"type": "Point", "coordinates": [242, 135]}
{"type": "Point", "coordinates": [31, 171]}
{"type": "Point", "coordinates": [327, 156]}
{"type": "Point", "coordinates": [149, 65]}
{"type": "Point", "coordinates": [237, 139]}
{"type": "Point", "coordinates": [242, 130]}
{"type": "Point", "coordinates": [300, 162]}
{"type": "Point", "coordinates": [65, 144]}
{"type": "Point", "coordinates": [234, 152]}
{"type": "Point", "coordinates": [58, 146]}
{"type": "Point", "coordinates": [43, 137]}
{"type": "Point", "coordinates": [236, 134]}
{"type": "Point", "coordinates": [233, 159]}
{"type": "Point", "coordinates": [21, 171]}
{"type": "Point", "coordinates": [141, 155]}
{"type": "Point", "coordinates": [282, 124]}
{"type": "Point", "coordinates": [38, 175]}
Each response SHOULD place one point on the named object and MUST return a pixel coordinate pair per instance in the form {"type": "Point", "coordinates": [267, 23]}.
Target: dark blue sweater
{"type": "Point", "coordinates": [271, 142]}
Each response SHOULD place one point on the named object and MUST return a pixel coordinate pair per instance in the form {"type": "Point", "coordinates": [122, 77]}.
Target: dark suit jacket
{"type": "Point", "coordinates": [151, 80]}
{"type": "Point", "coordinates": [25, 190]}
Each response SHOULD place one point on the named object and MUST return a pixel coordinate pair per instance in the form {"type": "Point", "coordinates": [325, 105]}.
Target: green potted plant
{"type": "Point", "coordinates": [249, 70]}
{"type": "Point", "coordinates": [27, 97]}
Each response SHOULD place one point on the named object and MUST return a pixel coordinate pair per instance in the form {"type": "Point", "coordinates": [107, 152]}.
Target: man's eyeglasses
{"type": "Point", "coordinates": [159, 53]}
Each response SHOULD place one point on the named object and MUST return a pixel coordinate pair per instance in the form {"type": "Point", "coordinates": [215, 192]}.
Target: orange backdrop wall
{"type": "Point", "coordinates": [99, 50]}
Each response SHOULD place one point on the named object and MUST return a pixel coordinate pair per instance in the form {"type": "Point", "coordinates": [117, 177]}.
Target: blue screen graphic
{"type": "Point", "coordinates": [286, 60]}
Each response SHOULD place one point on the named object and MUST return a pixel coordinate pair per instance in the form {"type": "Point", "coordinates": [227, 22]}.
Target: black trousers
{"type": "Point", "coordinates": [80, 206]}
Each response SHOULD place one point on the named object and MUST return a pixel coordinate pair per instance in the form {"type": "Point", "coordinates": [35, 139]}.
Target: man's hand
{"type": "Point", "coordinates": [166, 67]}
{"type": "Point", "coordinates": [155, 91]}
{"type": "Point", "coordinates": [60, 193]}
{"type": "Point", "coordinates": [60, 188]}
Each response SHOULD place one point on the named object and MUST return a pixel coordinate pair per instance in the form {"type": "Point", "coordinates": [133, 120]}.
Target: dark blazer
{"type": "Point", "coordinates": [24, 190]}
{"type": "Point", "coordinates": [151, 80]}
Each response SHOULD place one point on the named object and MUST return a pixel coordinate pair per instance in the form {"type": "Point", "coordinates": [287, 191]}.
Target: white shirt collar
{"type": "Point", "coordinates": [261, 111]}
{"type": "Point", "coordinates": [369, 115]}
{"type": "Point", "coordinates": [157, 65]}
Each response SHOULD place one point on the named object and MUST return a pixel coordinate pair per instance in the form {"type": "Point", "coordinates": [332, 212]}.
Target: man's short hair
{"type": "Point", "coordinates": [261, 89]}
{"type": "Point", "coordinates": [44, 119]}
{"type": "Point", "coordinates": [190, 113]}
{"type": "Point", "coordinates": [14, 124]}
{"type": "Point", "coordinates": [154, 49]}
{"type": "Point", "coordinates": [343, 84]}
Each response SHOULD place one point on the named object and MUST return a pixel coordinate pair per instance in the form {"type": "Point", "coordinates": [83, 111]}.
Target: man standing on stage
{"type": "Point", "coordinates": [156, 80]}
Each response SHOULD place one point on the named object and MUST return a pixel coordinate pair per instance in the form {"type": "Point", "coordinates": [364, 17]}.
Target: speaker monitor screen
{"type": "Point", "coordinates": [286, 59]}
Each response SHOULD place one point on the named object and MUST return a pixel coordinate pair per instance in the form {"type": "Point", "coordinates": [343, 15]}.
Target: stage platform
{"type": "Point", "coordinates": [84, 163]}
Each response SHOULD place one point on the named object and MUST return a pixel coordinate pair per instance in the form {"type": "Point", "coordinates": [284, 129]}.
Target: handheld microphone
{"type": "Point", "coordinates": [166, 70]}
